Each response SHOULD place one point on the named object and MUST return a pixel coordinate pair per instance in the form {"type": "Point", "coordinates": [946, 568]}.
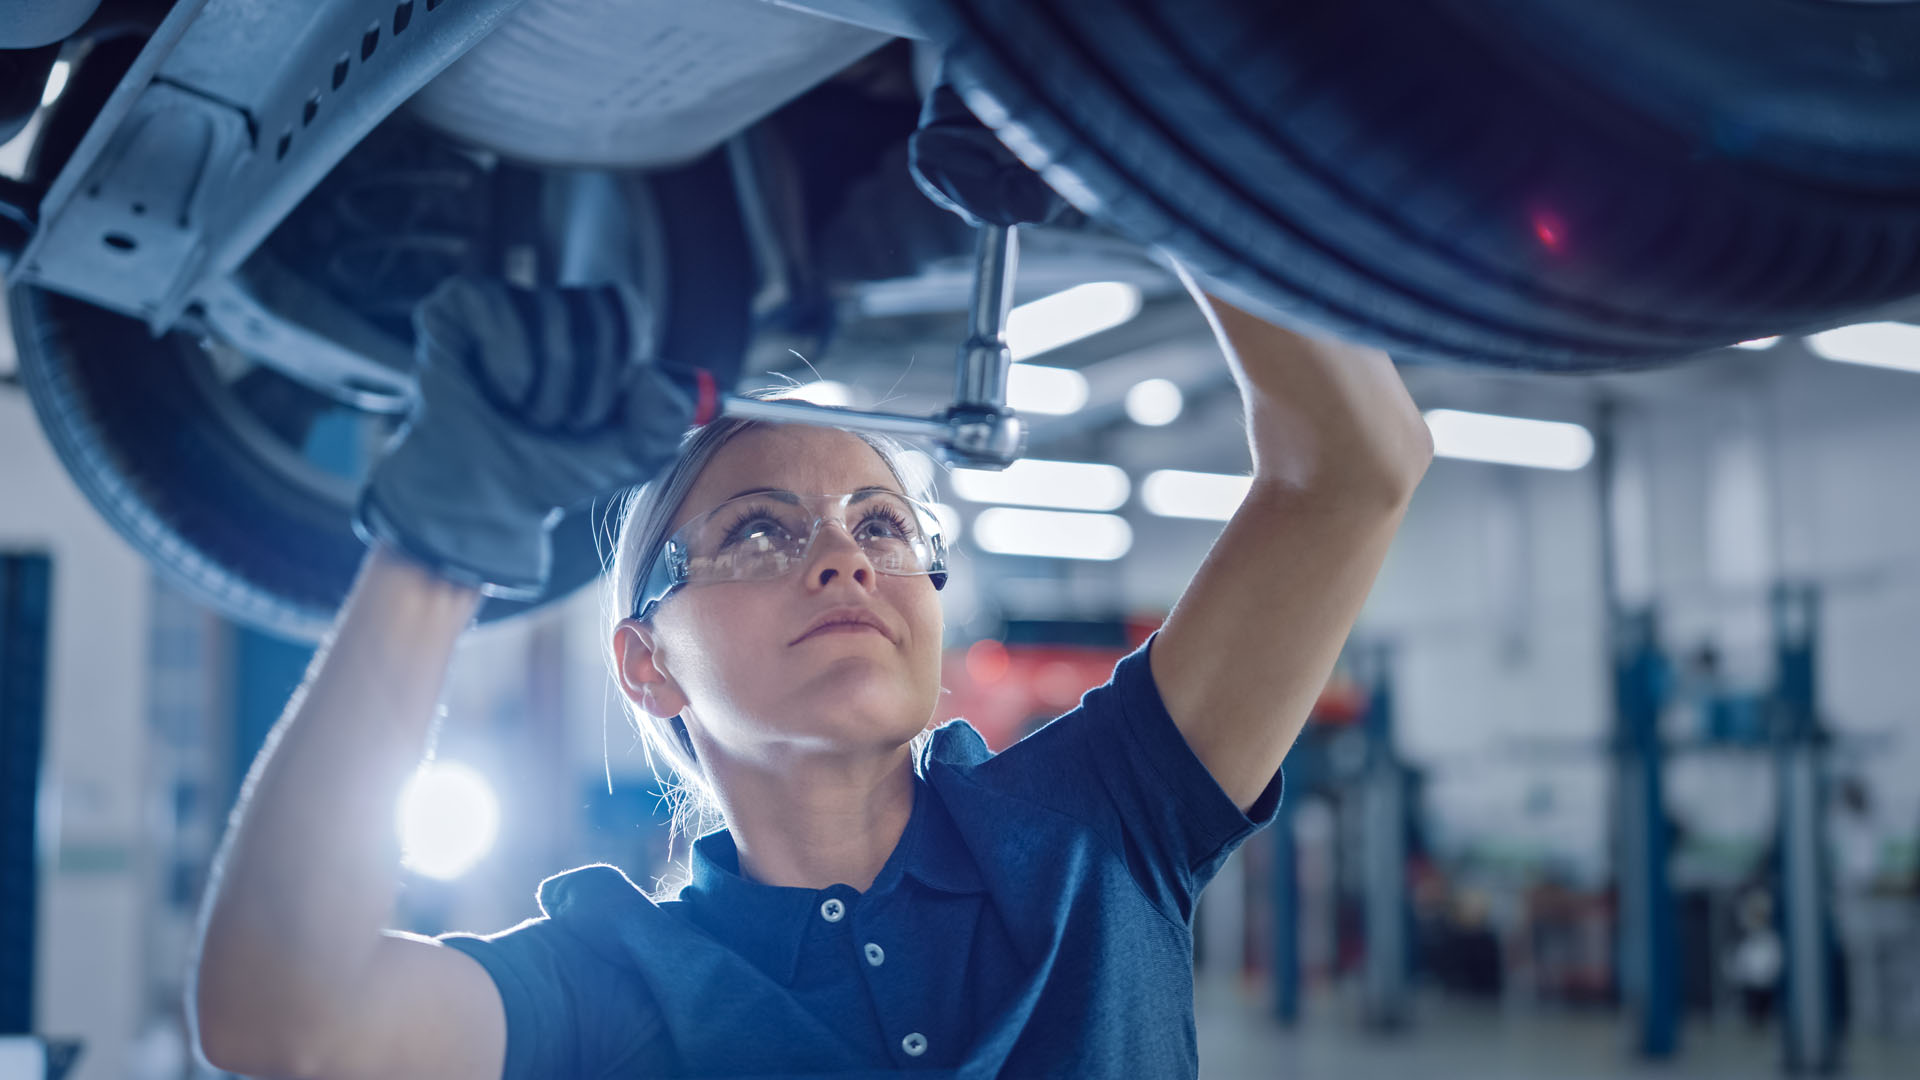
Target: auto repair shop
{"type": "Point", "coordinates": [1601, 760]}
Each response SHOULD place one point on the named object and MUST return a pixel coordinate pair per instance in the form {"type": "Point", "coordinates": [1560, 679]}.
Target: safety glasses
{"type": "Point", "coordinates": [769, 534]}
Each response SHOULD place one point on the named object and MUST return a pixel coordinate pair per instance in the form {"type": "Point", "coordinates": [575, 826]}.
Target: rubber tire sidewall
{"type": "Point", "coordinates": [146, 447]}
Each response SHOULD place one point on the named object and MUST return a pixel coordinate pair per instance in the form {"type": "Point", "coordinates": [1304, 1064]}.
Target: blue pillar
{"type": "Point", "coordinates": [1384, 859]}
{"type": "Point", "coordinates": [1809, 1014]}
{"type": "Point", "coordinates": [26, 585]}
{"type": "Point", "coordinates": [1286, 916]}
{"type": "Point", "coordinates": [1648, 948]}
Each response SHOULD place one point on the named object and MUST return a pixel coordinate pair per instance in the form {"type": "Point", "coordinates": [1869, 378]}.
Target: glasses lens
{"type": "Point", "coordinates": [754, 536]}
{"type": "Point", "coordinates": [892, 533]}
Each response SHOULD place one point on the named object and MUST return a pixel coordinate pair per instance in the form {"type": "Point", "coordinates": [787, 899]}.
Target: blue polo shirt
{"type": "Point", "coordinates": [1035, 919]}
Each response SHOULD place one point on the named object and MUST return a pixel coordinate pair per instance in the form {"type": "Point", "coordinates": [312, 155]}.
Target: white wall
{"type": "Point", "coordinates": [90, 947]}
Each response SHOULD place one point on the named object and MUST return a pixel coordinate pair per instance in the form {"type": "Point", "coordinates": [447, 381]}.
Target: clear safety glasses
{"type": "Point", "coordinates": [769, 534]}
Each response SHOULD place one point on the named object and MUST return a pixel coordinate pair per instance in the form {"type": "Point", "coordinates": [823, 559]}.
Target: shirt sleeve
{"type": "Point", "coordinates": [569, 1011]}
{"type": "Point", "coordinates": [1117, 764]}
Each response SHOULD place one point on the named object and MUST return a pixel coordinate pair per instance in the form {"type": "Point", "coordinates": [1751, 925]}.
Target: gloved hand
{"type": "Point", "coordinates": [530, 401]}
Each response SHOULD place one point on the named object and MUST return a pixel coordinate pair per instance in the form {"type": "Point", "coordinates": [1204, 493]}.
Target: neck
{"type": "Point", "coordinates": [814, 822]}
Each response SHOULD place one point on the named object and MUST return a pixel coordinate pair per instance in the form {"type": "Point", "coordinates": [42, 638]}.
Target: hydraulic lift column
{"type": "Point", "coordinates": [1809, 1015]}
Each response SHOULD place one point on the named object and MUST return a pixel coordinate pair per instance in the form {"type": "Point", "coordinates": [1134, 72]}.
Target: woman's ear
{"type": "Point", "coordinates": [642, 678]}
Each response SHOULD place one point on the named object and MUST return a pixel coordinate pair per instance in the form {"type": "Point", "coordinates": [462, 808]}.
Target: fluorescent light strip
{"type": "Point", "coordinates": [1051, 534]}
{"type": "Point", "coordinates": [1068, 316]}
{"type": "Point", "coordinates": [1198, 495]}
{"type": "Point", "coordinates": [1049, 391]}
{"type": "Point", "coordinates": [1758, 343]}
{"type": "Point", "coordinates": [1509, 440]}
{"type": "Point", "coordinates": [1876, 344]}
{"type": "Point", "coordinates": [1059, 485]}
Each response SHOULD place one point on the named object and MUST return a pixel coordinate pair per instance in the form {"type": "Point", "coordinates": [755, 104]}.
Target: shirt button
{"type": "Point", "coordinates": [875, 954]}
{"type": "Point", "coordinates": [914, 1044]}
{"type": "Point", "coordinates": [833, 910]}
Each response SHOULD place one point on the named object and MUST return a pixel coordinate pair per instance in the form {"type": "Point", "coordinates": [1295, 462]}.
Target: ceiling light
{"type": "Point", "coordinates": [1082, 311]}
{"type": "Point", "coordinates": [1758, 343]}
{"type": "Point", "coordinates": [56, 83]}
{"type": "Point", "coordinates": [1052, 534]}
{"type": "Point", "coordinates": [1153, 402]}
{"type": "Point", "coordinates": [1509, 440]}
{"type": "Point", "coordinates": [823, 392]}
{"type": "Point", "coordinates": [448, 820]}
{"type": "Point", "coordinates": [1879, 344]}
{"type": "Point", "coordinates": [1061, 485]}
{"type": "Point", "coordinates": [1204, 496]}
{"type": "Point", "coordinates": [1049, 391]}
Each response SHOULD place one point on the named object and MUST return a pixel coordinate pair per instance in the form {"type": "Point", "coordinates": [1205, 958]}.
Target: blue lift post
{"type": "Point", "coordinates": [1384, 858]}
{"type": "Point", "coordinates": [1286, 914]}
{"type": "Point", "coordinates": [1648, 946]}
{"type": "Point", "coordinates": [1809, 1017]}
{"type": "Point", "coordinates": [1646, 952]}
{"type": "Point", "coordinates": [1308, 773]}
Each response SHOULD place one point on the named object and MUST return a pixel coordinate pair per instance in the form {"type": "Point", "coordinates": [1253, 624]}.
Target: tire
{"type": "Point", "coordinates": [1506, 183]}
{"type": "Point", "coordinates": [184, 465]}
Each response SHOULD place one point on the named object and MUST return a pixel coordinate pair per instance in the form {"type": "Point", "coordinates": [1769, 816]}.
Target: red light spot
{"type": "Point", "coordinates": [1549, 230]}
{"type": "Point", "coordinates": [987, 661]}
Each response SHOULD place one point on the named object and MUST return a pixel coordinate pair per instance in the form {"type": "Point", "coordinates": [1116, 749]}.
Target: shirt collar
{"type": "Point", "coordinates": [767, 923]}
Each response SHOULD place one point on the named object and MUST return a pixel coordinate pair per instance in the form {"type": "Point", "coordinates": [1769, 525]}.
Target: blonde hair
{"type": "Point", "coordinates": [645, 515]}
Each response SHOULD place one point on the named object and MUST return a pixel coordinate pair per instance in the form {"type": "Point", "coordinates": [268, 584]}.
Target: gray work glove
{"type": "Point", "coordinates": [530, 402]}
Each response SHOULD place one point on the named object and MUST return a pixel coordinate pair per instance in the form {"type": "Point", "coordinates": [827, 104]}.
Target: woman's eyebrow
{"type": "Point", "coordinates": [782, 493]}
{"type": "Point", "coordinates": [787, 496]}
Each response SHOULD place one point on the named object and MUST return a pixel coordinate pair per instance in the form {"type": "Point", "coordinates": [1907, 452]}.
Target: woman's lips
{"type": "Point", "coordinates": [843, 628]}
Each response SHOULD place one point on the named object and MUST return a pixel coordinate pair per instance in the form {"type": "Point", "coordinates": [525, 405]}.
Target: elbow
{"type": "Point", "coordinates": [242, 1053]}
{"type": "Point", "coordinates": [229, 1031]}
{"type": "Point", "coordinates": [1413, 461]}
{"type": "Point", "coordinates": [1393, 473]}
{"type": "Point", "coordinates": [1376, 485]}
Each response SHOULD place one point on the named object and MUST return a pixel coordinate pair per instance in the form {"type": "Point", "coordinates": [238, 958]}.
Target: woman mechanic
{"type": "Point", "coordinates": [880, 898]}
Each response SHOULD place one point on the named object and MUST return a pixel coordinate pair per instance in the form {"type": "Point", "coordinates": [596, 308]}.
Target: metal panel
{"type": "Point", "coordinates": [243, 116]}
{"type": "Point", "coordinates": [634, 83]}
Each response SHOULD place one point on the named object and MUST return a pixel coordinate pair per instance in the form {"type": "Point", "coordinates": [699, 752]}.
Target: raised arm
{"type": "Point", "coordinates": [1338, 448]}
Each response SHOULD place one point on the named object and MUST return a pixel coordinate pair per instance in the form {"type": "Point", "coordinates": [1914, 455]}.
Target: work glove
{"type": "Point", "coordinates": [530, 402]}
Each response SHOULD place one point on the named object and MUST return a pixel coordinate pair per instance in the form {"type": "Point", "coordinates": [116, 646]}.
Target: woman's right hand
{"type": "Point", "coordinates": [530, 401]}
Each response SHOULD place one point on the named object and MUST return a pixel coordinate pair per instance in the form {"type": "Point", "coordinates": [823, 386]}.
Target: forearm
{"type": "Point", "coordinates": [1338, 448]}
{"type": "Point", "coordinates": [307, 873]}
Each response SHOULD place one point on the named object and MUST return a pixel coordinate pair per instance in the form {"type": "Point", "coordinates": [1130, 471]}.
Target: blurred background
{"type": "Point", "coordinates": [1616, 778]}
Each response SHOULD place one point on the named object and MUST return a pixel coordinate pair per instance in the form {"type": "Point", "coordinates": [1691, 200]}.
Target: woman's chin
{"type": "Point", "coordinates": [856, 697]}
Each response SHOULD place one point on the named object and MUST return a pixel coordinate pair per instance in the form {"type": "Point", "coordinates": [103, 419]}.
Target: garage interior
{"type": "Point", "coordinates": [1618, 775]}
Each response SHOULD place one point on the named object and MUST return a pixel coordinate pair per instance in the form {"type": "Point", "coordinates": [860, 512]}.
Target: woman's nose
{"type": "Point", "coordinates": [836, 552]}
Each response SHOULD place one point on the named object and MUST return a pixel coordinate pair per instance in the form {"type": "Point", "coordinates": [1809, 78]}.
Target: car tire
{"type": "Point", "coordinates": [1529, 185]}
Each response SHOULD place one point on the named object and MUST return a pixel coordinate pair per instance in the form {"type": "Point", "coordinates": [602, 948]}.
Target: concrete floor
{"type": "Point", "coordinates": [1239, 1041]}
